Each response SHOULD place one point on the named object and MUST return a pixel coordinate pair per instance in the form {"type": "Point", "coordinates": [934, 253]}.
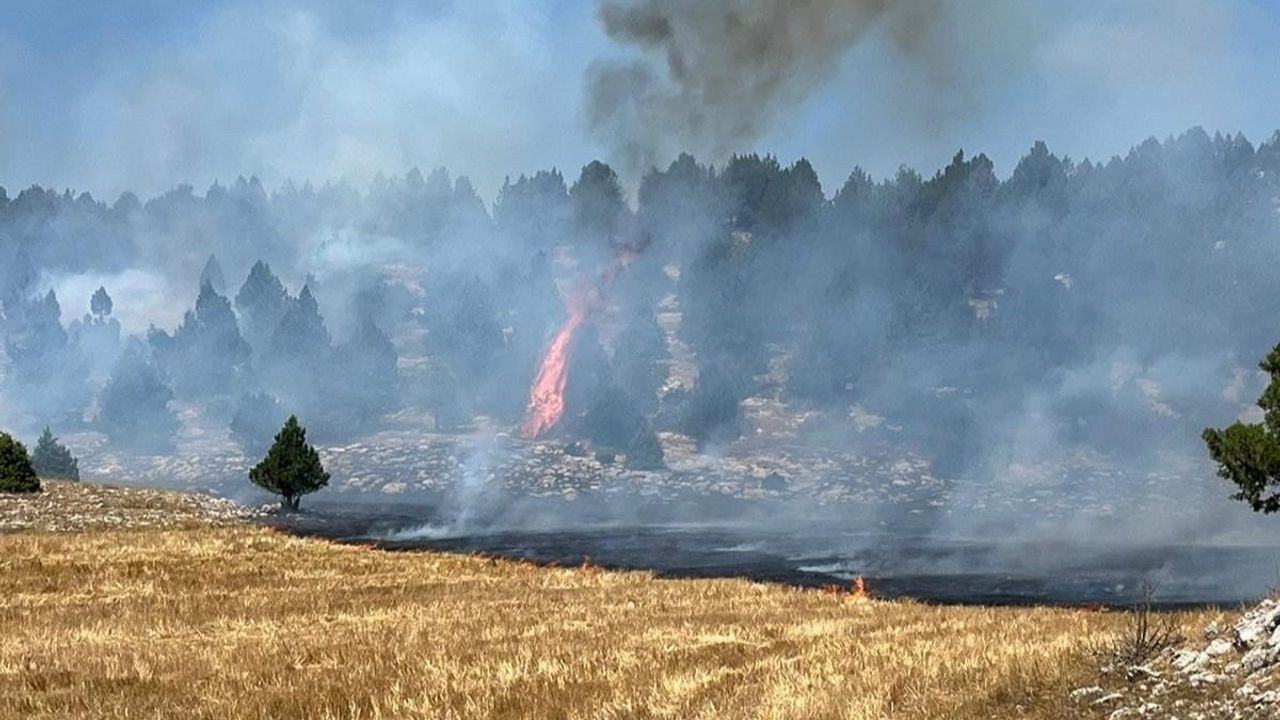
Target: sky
{"type": "Point", "coordinates": [143, 95]}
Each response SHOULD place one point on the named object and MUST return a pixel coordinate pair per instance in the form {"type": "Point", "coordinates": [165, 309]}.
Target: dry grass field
{"type": "Point", "coordinates": [241, 622]}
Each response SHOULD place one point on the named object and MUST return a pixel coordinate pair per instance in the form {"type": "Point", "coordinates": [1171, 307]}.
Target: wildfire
{"type": "Point", "coordinates": [857, 592]}
{"type": "Point", "coordinates": [546, 397]}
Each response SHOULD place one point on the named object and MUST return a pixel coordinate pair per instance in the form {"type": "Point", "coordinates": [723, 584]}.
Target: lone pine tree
{"type": "Point", "coordinates": [52, 459]}
{"type": "Point", "coordinates": [1249, 454]}
{"type": "Point", "coordinates": [291, 468]}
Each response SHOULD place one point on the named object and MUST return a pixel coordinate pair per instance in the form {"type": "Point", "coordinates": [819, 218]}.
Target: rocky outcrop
{"type": "Point", "coordinates": [1233, 673]}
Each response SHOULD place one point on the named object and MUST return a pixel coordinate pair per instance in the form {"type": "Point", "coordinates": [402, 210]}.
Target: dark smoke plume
{"type": "Point", "coordinates": [731, 68]}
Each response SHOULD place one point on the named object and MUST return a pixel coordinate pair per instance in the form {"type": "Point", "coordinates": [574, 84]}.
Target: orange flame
{"type": "Point", "coordinates": [546, 397]}
{"type": "Point", "coordinates": [859, 591]}
{"type": "Point", "coordinates": [855, 593]}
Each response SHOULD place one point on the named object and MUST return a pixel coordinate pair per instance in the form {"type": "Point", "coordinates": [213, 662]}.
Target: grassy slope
{"type": "Point", "coordinates": [241, 622]}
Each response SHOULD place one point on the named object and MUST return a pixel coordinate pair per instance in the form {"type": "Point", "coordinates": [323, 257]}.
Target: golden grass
{"type": "Point", "coordinates": [237, 622]}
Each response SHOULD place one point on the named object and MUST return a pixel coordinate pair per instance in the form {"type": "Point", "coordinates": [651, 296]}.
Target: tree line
{"type": "Point", "coordinates": [1115, 302]}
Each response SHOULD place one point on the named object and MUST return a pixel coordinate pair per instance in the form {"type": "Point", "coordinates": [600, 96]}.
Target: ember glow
{"type": "Point", "coordinates": [546, 397]}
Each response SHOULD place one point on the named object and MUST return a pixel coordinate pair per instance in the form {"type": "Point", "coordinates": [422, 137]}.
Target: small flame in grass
{"type": "Point", "coordinates": [858, 591]}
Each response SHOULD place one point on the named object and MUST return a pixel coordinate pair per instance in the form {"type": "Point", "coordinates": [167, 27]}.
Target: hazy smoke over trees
{"type": "Point", "coordinates": [976, 315]}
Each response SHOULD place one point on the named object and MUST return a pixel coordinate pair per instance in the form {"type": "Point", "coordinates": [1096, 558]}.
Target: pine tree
{"type": "Point", "coordinates": [16, 473]}
{"type": "Point", "coordinates": [299, 355]}
{"type": "Point", "coordinates": [100, 304]}
{"type": "Point", "coordinates": [1249, 455]}
{"type": "Point", "coordinates": [212, 275]}
{"type": "Point", "coordinates": [35, 340]}
{"type": "Point", "coordinates": [134, 404]}
{"type": "Point", "coordinates": [644, 452]}
{"type": "Point", "coordinates": [206, 354]}
{"type": "Point", "coordinates": [52, 459]}
{"type": "Point", "coordinates": [640, 359]}
{"type": "Point", "coordinates": [291, 468]}
{"type": "Point", "coordinates": [367, 365]}
{"type": "Point", "coordinates": [262, 303]}
{"type": "Point", "coordinates": [599, 209]}
{"type": "Point", "coordinates": [301, 333]}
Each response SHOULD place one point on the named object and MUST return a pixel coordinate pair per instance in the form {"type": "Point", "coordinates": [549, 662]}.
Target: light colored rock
{"type": "Point", "coordinates": [1220, 646]}
{"type": "Point", "coordinates": [1084, 693]}
{"type": "Point", "coordinates": [1108, 699]}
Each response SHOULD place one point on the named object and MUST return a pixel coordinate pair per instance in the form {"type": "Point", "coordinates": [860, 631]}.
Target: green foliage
{"type": "Point", "coordinates": [640, 359]}
{"type": "Point", "coordinates": [212, 276]}
{"type": "Point", "coordinates": [262, 303]}
{"type": "Point", "coordinates": [100, 304]}
{"type": "Point", "coordinates": [206, 354]}
{"type": "Point", "coordinates": [713, 414]}
{"type": "Point", "coordinates": [135, 411]}
{"type": "Point", "coordinates": [52, 459]}
{"type": "Point", "coordinates": [535, 209]}
{"type": "Point", "coordinates": [16, 473]}
{"type": "Point", "coordinates": [291, 468]}
{"type": "Point", "coordinates": [367, 362]}
{"type": "Point", "coordinates": [645, 452]}
{"type": "Point", "coordinates": [599, 209]}
{"type": "Point", "coordinates": [1249, 455]}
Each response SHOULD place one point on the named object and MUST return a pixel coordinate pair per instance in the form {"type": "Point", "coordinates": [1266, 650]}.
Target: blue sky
{"type": "Point", "coordinates": [145, 94]}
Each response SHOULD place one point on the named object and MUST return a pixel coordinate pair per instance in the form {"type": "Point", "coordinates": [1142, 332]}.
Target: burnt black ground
{"type": "Point", "coordinates": [901, 563]}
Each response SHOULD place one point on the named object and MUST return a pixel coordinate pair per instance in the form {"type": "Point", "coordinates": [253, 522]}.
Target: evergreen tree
{"type": "Point", "coordinates": [681, 209]}
{"type": "Point", "coordinates": [298, 367]}
{"type": "Point", "coordinates": [301, 334]}
{"type": "Point", "coordinates": [465, 332]}
{"type": "Point", "coordinates": [47, 371]}
{"type": "Point", "coordinates": [206, 355]}
{"type": "Point", "coordinates": [589, 387]}
{"type": "Point", "coordinates": [212, 275]}
{"type": "Point", "coordinates": [134, 410]}
{"type": "Point", "coordinates": [52, 459]}
{"type": "Point", "coordinates": [598, 207]}
{"type": "Point", "coordinates": [1248, 455]}
{"type": "Point", "coordinates": [291, 468]}
{"type": "Point", "coordinates": [35, 339]}
{"type": "Point", "coordinates": [640, 359]}
{"type": "Point", "coordinates": [262, 302]}
{"type": "Point", "coordinates": [96, 337]}
{"type": "Point", "coordinates": [536, 210]}
{"type": "Point", "coordinates": [714, 412]}
{"type": "Point", "coordinates": [366, 367]}
{"type": "Point", "coordinates": [16, 473]}
{"type": "Point", "coordinates": [644, 452]}
{"type": "Point", "coordinates": [100, 304]}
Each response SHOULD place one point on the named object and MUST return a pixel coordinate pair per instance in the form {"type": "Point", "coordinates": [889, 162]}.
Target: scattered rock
{"type": "Point", "coordinates": [74, 507]}
{"type": "Point", "coordinates": [1235, 675]}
